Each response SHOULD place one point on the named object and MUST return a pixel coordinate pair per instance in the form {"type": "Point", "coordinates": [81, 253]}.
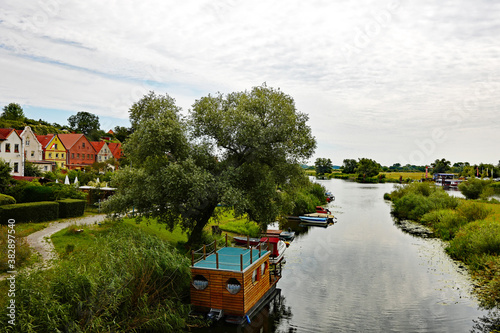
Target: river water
{"type": "Point", "coordinates": [365, 274]}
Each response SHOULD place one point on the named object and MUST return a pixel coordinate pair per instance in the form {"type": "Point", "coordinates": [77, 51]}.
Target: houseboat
{"type": "Point", "coordinates": [233, 282]}
{"type": "Point", "coordinates": [446, 179]}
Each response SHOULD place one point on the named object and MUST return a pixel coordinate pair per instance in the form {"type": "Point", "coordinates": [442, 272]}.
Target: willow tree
{"type": "Point", "coordinates": [237, 150]}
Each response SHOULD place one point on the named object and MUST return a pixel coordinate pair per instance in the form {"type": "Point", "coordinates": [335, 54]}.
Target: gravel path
{"type": "Point", "coordinates": [40, 240]}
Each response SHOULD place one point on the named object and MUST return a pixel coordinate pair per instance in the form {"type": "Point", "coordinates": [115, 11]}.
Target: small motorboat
{"type": "Point", "coordinates": [287, 235]}
{"type": "Point", "coordinates": [313, 219]}
{"type": "Point", "coordinates": [277, 248]}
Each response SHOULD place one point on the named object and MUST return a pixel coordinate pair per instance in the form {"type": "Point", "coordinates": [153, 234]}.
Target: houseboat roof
{"type": "Point", "coordinates": [231, 259]}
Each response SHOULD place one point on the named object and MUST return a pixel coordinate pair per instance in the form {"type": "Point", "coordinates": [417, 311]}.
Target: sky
{"type": "Point", "coordinates": [396, 81]}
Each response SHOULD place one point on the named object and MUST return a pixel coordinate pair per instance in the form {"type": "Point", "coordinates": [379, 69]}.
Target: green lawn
{"type": "Point", "coordinates": [152, 227]}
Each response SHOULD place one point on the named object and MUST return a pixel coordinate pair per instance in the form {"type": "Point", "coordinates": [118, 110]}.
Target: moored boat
{"type": "Point", "coordinates": [313, 219]}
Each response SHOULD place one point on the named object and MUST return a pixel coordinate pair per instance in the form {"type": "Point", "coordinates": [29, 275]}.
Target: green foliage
{"type": "Point", "coordinates": [235, 149]}
{"type": "Point", "coordinates": [445, 222]}
{"type": "Point", "coordinates": [6, 200]}
{"type": "Point", "coordinates": [71, 208]}
{"type": "Point", "coordinates": [440, 166]}
{"type": "Point", "coordinates": [125, 281]}
{"type": "Point", "coordinates": [30, 212]}
{"type": "Point", "coordinates": [249, 228]}
{"type": "Point", "coordinates": [23, 251]}
{"type": "Point", "coordinates": [473, 188]}
{"type": "Point", "coordinates": [5, 177]}
{"type": "Point", "coordinates": [31, 170]}
{"type": "Point", "coordinates": [416, 199]}
{"type": "Point", "coordinates": [13, 111]}
{"type": "Point", "coordinates": [367, 168]}
{"type": "Point", "coordinates": [322, 166]}
{"type": "Point", "coordinates": [84, 122]}
{"type": "Point", "coordinates": [349, 166]}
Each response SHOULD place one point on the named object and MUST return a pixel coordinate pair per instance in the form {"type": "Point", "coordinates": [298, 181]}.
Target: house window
{"type": "Point", "coordinates": [263, 268]}
{"type": "Point", "coordinates": [7, 147]}
{"type": "Point", "coordinates": [16, 148]}
{"type": "Point", "coordinates": [83, 144]}
{"type": "Point", "coordinates": [16, 167]}
{"type": "Point", "coordinates": [78, 155]}
{"type": "Point", "coordinates": [62, 165]}
{"type": "Point", "coordinates": [50, 155]}
{"type": "Point", "coordinates": [100, 158]}
{"type": "Point", "coordinates": [200, 282]}
{"type": "Point", "coordinates": [32, 153]}
{"type": "Point", "coordinates": [233, 286]}
{"type": "Point", "coordinates": [57, 155]}
{"type": "Point", "coordinates": [45, 168]}
{"type": "Point", "coordinates": [55, 146]}
{"type": "Point", "coordinates": [27, 142]}
{"type": "Point", "coordinates": [88, 156]}
{"type": "Point", "coordinates": [62, 155]}
{"type": "Point", "coordinates": [72, 155]}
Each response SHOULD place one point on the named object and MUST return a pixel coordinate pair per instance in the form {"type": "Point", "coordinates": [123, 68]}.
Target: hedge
{"type": "Point", "coordinates": [30, 212]}
{"type": "Point", "coordinates": [6, 200]}
{"type": "Point", "coordinates": [71, 207]}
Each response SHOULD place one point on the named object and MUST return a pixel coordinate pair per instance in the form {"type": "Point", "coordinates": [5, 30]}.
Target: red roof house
{"type": "Point", "coordinates": [116, 149]}
{"type": "Point", "coordinates": [79, 151]}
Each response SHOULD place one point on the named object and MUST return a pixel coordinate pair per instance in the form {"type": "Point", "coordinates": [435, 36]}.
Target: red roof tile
{"type": "Point", "coordinates": [97, 145]}
{"type": "Point", "coordinates": [44, 139]}
{"type": "Point", "coordinates": [5, 132]}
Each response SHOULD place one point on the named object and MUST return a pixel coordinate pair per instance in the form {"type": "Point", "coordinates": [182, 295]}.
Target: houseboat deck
{"type": "Point", "coordinates": [231, 259]}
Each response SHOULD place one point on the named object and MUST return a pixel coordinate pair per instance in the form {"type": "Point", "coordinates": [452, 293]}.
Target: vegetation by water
{"type": "Point", "coordinates": [471, 228]}
{"type": "Point", "coordinates": [122, 280]}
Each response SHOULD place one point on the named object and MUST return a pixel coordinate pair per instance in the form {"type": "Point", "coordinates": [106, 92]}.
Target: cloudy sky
{"type": "Point", "coordinates": [396, 81]}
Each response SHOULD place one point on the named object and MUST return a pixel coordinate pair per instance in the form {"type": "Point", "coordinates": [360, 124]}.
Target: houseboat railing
{"type": "Point", "coordinates": [246, 258]}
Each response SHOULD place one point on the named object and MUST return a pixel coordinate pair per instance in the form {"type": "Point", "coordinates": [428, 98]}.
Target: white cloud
{"type": "Point", "coordinates": [375, 77]}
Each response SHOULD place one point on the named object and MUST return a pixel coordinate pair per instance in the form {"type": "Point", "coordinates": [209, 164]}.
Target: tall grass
{"type": "Point", "coordinates": [124, 281]}
{"type": "Point", "coordinates": [22, 249]}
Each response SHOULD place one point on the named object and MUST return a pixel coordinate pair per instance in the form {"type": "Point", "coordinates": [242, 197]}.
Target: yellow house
{"type": "Point", "coordinates": [53, 149]}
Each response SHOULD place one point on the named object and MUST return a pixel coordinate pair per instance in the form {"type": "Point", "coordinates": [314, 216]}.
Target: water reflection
{"type": "Point", "coordinates": [364, 274]}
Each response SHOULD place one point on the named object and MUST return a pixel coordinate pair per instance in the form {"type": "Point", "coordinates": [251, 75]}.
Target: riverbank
{"type": "Point", "coordinates": [471, 230]}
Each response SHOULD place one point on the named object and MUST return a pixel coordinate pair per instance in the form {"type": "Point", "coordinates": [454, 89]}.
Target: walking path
{"type": "Point", "coordinates": [40, 240]}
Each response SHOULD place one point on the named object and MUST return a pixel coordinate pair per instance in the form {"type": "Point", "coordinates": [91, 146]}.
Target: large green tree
{"type": "Point", "coordinates": [367, 168]}
{"type": "Point", "coordinates": [349, 166]}
{"type": "Point", "coordinates": [13, 111]}
{"type": "Point", "coordinates": [84, 122]}
{"type": "Point", "coordinates": [241, 149]}
{"type": "Point", "coordinates": [5, 176]}
{"type": "Point", "coordinates": [322, 166]}
{"type": "Point", "coordinates": [440, 166]}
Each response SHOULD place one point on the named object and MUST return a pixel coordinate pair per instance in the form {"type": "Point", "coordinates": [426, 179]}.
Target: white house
{"type": "Point", "coordinates": [12, 151]}
{"type": "Point", "coordinates": [33, 150]}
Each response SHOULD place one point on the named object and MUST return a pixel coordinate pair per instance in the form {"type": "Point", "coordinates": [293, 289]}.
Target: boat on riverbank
{"type": "Point", "coordinates": [313, 219]}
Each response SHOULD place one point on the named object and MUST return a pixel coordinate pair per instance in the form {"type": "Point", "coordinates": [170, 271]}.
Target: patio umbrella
{"type": "Point", "coordinates": [66, 180]}
{"type": "Point", "coordinates": [76, 180]}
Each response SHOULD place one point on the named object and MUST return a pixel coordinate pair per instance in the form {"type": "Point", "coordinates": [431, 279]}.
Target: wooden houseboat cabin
{"type": "Point", "coordinates": [232, 281]}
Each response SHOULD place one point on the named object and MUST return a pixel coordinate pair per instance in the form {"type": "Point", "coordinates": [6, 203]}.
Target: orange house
{"type": "Point", "coordinates": [79, 151]}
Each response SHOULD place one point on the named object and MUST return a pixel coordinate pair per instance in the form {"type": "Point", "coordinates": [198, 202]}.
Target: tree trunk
{"type": "Point", "coordinates": [201, 222]}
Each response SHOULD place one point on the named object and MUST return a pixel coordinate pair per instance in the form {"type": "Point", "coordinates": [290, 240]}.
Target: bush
{"type": "Point", "coordinates": [36, 194]}
{"type": "Point", "coordinates": [30, 212]}
{"type": "Point", "coordinates": [6, 200]}
{"type": "Point", "coordinates": [445, 222]}
{"type": "Point", "coordinates": [71, 207]}
{"type": "Point", "coordinates": [473, 211]}
{"type": "Point", "coordinates": [125, 281]}
{"type": "Point", "coordinates": [473, 188]}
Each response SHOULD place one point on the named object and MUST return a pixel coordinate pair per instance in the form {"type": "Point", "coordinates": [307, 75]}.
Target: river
{"type": "Point", "coordinates": [365, 274]}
